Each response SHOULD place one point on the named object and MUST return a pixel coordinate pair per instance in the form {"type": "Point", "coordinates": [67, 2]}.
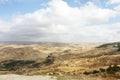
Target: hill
{"type": "Point", "coordinates": [54, 58]}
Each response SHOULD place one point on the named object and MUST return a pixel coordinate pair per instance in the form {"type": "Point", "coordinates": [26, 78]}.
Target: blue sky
{"type": "Point", "coordinates": [65, 20]}
{"type": "Point", "coordinates": [10, 8]}
{"type": "Point", "coordinates": [14, 7]}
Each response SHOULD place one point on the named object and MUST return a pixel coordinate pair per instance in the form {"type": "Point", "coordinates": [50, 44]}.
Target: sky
{"type": "Point", "coordinates": [60, 20]}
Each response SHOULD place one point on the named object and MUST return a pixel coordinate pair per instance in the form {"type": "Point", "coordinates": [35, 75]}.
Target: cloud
{"type": "Point", "coordinates": [60, 22]}
{"type": "Point", "coordinates": [4, 26]}
{"type": "Point", "coordinates": [113, 1]}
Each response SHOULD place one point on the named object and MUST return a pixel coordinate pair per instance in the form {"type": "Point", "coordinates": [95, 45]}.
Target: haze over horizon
{"type": "Point", "coordinates": [60, 20]}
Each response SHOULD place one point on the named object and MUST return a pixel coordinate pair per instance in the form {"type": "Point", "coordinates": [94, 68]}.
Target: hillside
{"type": "Point", "coordinates": [53, 58]}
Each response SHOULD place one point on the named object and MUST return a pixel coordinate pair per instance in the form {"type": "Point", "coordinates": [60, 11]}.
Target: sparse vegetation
{"type": "Point", "coordinates": [87, 73]}
{"type": "Point", "coordinates": [49, 60]}
{"type": "Point", "coordinates": [63, 60]}
{"type": "Point", "coordinates": [16, 64]}
{"type": "Point", "coordinates": [95, 72]}
{"type": "Point", "coordinates": [112, 69]}
{"type": "Point", "coordinates": [109, 44]}
{"type": "Point", "coordinates": [118, 45]}
{"type": "Point", "coordinates": [102, 70]}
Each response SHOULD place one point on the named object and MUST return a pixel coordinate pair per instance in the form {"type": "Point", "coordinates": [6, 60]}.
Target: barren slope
{"type": "Point", "coordinates": [52, 58]}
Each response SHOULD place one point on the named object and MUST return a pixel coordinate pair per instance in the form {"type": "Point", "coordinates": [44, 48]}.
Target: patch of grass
{"type": "Point", "coordinates": [111, 70]}
{"type": "Point", "coordinates": [13, 65]}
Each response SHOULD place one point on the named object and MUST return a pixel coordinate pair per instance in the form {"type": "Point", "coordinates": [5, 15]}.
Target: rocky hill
{"type": "Point", "coordinates": [57, 58]}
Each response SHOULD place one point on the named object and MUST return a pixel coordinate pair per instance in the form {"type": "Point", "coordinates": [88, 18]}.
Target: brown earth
{"type": "Point", "coordinates": [56, 59]}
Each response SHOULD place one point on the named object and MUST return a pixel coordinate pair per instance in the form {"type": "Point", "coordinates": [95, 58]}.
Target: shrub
{"type": "Point", "coordinates": [116, 68]}
{"type": "Point", "coordinates": [102, 70]}
{"type": "Point", "coordinates": [86, 73]}
{"type": "Point", "coordinates": [95, 72]}
{"type": "Point", "coordinates": [49, 60]}
{"type": "Point", "coordinates": [118, 45]}
{"type": "Point", "coordinates": [113, 70]}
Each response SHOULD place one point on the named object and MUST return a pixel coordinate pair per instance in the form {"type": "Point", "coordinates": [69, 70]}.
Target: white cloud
{"type": "Point", "coordinates": [60, 22]}
{"type": "Point", "coordinates": [4, 27]}
{"type": "Point", "coordinates": [113, 1]}
{"type": "Point", "coordinates": [59, 12]}
{"type": "Point", "coordinates": [105, 32]}
{"type": "Point", "coordinates": [117, 8]}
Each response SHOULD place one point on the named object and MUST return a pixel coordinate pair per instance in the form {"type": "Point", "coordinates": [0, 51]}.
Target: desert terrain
{"type": "Point", "coordinates": [93, 61]}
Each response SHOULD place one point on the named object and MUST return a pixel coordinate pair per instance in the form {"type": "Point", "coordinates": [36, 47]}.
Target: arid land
{"type": "Point", "coordinates": [59, 59]}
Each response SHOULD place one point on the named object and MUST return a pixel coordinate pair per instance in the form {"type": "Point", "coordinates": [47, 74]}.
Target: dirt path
{"type": "Point", "coordinates": [21, 77]}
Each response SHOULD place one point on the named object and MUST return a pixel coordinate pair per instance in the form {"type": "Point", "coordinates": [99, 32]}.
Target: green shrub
{"type": "Point", "coordinates": [86, 73]}
{"type": "Point", "coordinates": [95, 72]}
{"type": "Point", "coordinates": [102, 70]}
{"type": "Point", "coordinates": [113, 70]}
{"type": "Point", "coordinates": [118, 45]}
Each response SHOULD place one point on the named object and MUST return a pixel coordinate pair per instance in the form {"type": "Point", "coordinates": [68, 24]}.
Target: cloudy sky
{"type": "Point", "coordinates": [60, 20]}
